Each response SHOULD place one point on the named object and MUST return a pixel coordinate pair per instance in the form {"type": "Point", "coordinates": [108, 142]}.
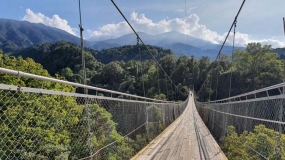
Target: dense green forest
{"type": "Point", "coordinates": [246, 145]}
{"type": "Point", "coordinates": [253, 68]}
{"type": "Point", "coordinates": [129, 69]}
{"type": "Point", "coordinates": [41, 126]}
{"type": "Point", "coordinates": [123, 69]}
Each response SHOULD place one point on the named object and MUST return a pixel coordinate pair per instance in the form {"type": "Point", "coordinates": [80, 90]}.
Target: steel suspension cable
{"type": "Point", "coordinates": [284, 24]}
{"type": "Point", "coordinates": [186, 29]}
{"type": "Point", "coordinates": [219, 53]}
{"type": "Point", "coordinates": [166, 88]}
{"type": "Point", "coordinates": [217, 84]}
{"type": "Point", "coordinates": [230, 88]}
{"type": "Point", "coordinates": [89, 141]}
{"type": "Point", "coordinates": [211, 75]}
{"type": "Point", "coordinates": [145, 45]}
{"type": "Point", "coordinates": [157, 72]}
{"type": "Point", "coordinates": [142, 68]}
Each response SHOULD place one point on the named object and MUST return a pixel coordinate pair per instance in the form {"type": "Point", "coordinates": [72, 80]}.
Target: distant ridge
{"type": "Point", "coordinates": [175, 41]}
{"type": "Point", "coordinates": [15, 34]}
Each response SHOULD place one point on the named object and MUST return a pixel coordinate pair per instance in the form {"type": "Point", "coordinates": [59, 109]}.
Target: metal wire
{"type": "Point", "coordinates": [36, 123]}
{"type": "Point", "coordinates": [48, 79]}
{"type": "Point", "coordinates": [142, 66]}
{"type": "Point", "coordinates": [230, 88]}
{"type": "Point", "coordinates": [219, 53]}
{"type": "Point", "coordinates": [153, 57]}
{"type": "Point", "coordinates": [260, 117]}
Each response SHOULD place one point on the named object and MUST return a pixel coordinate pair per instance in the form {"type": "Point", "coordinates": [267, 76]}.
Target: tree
{"type": "Point", "coordinates": [42, 126]}
{"type": "Point", "coordinates": [41, 132]}
{"type": "Point", "coordinates": [112, 74]}
{"type": "Point", "coordinates": [233, 145]}
{"type": "Point", "coordinates": [168, 63]}
{"type": "Point", "coordinates": [155, 126]}
{"type": "Point", "coordinates": [102, 131]}
{"type": "Point", "coordinates": [258, 66]}
{"type": "Point", "coordinates": [249, 145]}
{"type": "Point", "coordinates": [66, 72]}
{"type": "Point", "coordinates": [160, 97]}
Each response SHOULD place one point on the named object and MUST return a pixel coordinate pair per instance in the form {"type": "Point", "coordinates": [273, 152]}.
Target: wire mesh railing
{"type": "Point", "coordinates": [248, 126]}
{"type": "Point", "coordinates": [38, 123]}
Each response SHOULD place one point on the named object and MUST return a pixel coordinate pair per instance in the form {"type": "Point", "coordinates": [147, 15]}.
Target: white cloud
{"type": "Point", "coordinates": [54, 21]}
{"type": "Point", "coordinates": [189, 25]}
{"type": "Point", "coordinates": [110, 31]}
{"type": "Point", "coordinates": [273, 42]}
{"type": "Point", "coordinates": [243, 39]}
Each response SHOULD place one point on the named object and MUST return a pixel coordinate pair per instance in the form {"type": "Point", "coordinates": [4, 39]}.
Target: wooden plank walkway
{"type": "Point", "coordinates": [187, 138]}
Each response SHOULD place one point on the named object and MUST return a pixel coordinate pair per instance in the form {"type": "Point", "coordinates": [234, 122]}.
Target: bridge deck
{"type": "Point", "coordinates": [186, 138]}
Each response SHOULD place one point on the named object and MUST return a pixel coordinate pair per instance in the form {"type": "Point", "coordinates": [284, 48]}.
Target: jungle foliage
{"type": "Point", "coordinates": [41, 126]}
{"type": "Point", "coordinates": [249, 145]}
{"type": "Point", "coordinates": [129, 69]}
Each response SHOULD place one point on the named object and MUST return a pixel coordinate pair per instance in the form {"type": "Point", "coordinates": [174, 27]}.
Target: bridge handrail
{"type": "Point", "coordinates": [29, 75]}
{"type": "Point", "coordinates": [61, 93]}
{"type": "Point", "coordinates": [266, 89]}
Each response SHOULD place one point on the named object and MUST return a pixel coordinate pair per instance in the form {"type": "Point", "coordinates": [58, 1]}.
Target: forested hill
{"type": "Point", "coordinates": [120, 69]}
{"type": "Point", "coordinates": [280, 52]}
{"type": "Point", "coordinates": [58, 55]}
{"type": "Point", "coordinates": [130, 52]}
{"type": "Point", "coordinates": [15, 35]}
{"type": "Point", "coordinates": [41, 113]}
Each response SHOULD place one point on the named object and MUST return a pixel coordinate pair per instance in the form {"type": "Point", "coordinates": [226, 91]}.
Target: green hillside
{"type": "Point", "coordinates": [15, 35]}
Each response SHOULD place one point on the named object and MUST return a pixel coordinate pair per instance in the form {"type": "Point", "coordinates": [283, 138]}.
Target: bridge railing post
{"type": "Point", "coordinates": [280, 117]}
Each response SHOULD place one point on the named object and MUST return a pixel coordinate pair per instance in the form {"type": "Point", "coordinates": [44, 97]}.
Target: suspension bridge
{"type": "Point", "coordinates": [41, 123]}
{"type": "Point", "coordinates": [150, 129]}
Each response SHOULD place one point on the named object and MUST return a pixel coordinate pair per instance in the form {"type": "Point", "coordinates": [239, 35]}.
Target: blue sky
{"type": "Point", "coordinates": [260, 20]}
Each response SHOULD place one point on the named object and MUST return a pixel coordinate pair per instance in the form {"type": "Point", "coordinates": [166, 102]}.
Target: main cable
{"type": "Point", "coordinates": [230, 88]}
{"type": "Point", "coordinates": [146, 46]}
{"type": "Point", "coordinates": [186, 28]}
{"type": "Point", "coordinates": [142, 66]}
{"type": "Point", "coordinates": [89, 140]}
{"type": "Point", "coordinates": [219, 53]}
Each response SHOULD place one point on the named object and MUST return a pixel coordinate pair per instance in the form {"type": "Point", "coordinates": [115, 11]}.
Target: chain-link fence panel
{"type": "Point", "coordinates": [46, 124]}
{"type": "Point", "coordinates": [251, 129]}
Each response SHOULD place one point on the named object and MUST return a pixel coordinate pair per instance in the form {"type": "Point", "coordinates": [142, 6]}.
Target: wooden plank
{"type": "Point", "coordinates": [179, 141]}
{"type": "Point", "coordinates": [171, 145]}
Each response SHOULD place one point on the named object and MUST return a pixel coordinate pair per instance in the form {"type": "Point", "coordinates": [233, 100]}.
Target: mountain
{"type": "Point", "coordinates": [15, 35]}
{"type": "Point", "coordinates": [59, 55]}
{"type": "Point", "coordinates": [179, 43]}
{"type": "Point", "coordinates": [280, 52]}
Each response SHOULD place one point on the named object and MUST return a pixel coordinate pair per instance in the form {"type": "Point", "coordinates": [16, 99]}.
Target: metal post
{"type": "Point", "coordinates": [82, 48]}
{"type": "Point", "coordinates": [230, 88]}
{"type": "Point", "coordinates": [167, 97]}
{"type": "Point", "coordinates": [84, 82]}
{"type": "Point", "coordinates": [217, 86]}
{"type": "Point", "coordinates": [279, 145]}
{"type": "Point", "coordinates": [284, 24]}
{"type": "Point", "coordinates": [147, 129]}
{"type": "Point", "coordinates": [210, 85]}
{"type": "Point", "coordinates": [158, 78]}
{"type": "Point", "coordinates": [280, 126]}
